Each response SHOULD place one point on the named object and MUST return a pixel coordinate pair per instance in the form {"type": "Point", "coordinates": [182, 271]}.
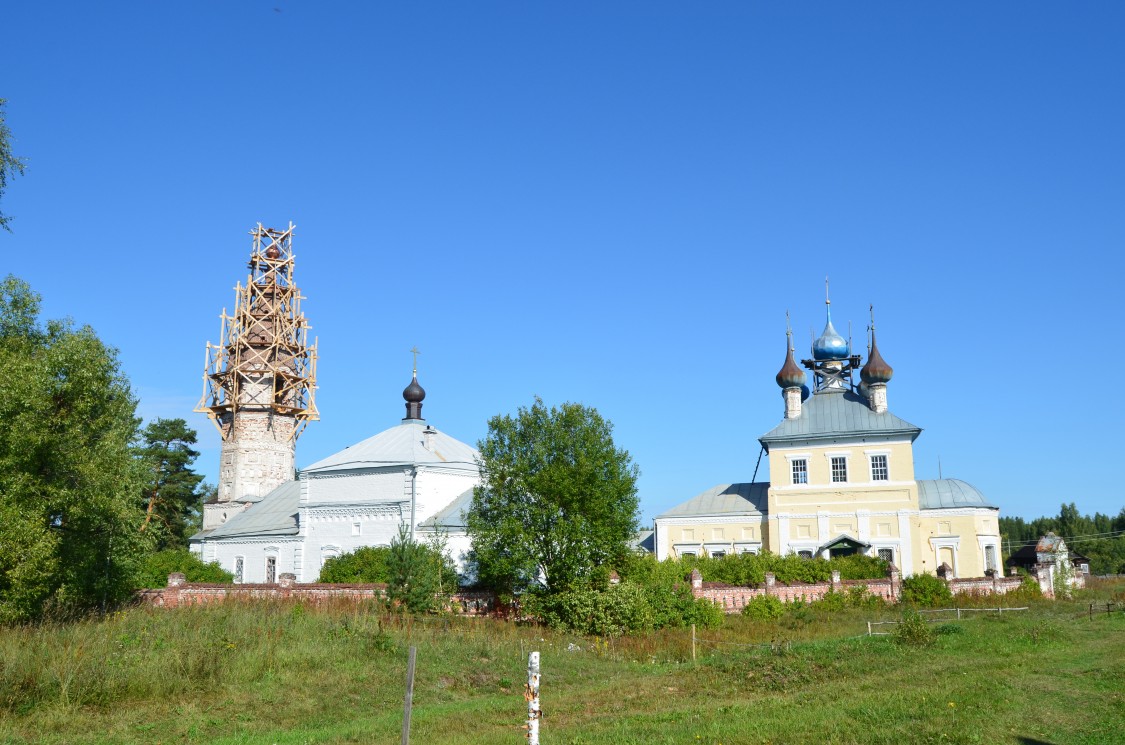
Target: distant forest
{"type": "Point", "coordinates": [1100, 538]}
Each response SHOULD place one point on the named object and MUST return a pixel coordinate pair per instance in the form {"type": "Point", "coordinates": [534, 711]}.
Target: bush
{"type": "Point", "coordinates": [913, 630]}
{"type": "Point", "coordinates": [366, 565]}
{"type": "Point", "coordinates": [926, 590]}
{"type": "Point", "coordinates": [764, 608]}
{"type": "Point", "coordinates": [612, 612]}
{"type": "Point", "coordinates": [156, 567]}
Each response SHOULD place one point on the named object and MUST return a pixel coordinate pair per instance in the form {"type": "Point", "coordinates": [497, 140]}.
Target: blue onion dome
{"type": "Point", "coordinates": [876, 370]}
{"type": "Point", "coordinates": [830, 345]}
{"type": "Point", "coordinates": [414, 393]}
{"type": "Point", "coordinates": [790, 376]}
{"type": "Point", "coordinates": [805, 393]}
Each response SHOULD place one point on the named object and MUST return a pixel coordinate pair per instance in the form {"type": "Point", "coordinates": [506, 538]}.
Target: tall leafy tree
{"type": "Point", "coordinates": [558, 499]}
{"type": "Point", "coordinates": [173, 492]}
{"type": "Point", "coordinates": [10, 165]}
{"type": "Point", "coordinates": [68, 481]}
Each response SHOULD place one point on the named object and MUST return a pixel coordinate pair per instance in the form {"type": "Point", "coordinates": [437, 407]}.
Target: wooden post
{"type": "Point", "coordinates": [869, 628]}
{"type": "Point", "coordinates": [409, 697]}
{"type": "Point", "coordinates": [958, 614]}
{"type": "Point", "coordinates": [532, 696]}
{"type": "Point", "coordinates": [693, 642]}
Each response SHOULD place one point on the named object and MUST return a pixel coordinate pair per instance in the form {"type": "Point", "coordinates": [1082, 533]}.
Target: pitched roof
{"type": "Point", "coordinates": [724, 499]}
{"type": "Point", "coordinates": [935, 494]}
{"type": "Point", "coordinates": [402, 445]}
{"type": "Point", "coordinates": [275, 514]}
{"type": "Point", "coordinates": [832, 414]}
{"type": "Point", "coordinates": [453, 515]}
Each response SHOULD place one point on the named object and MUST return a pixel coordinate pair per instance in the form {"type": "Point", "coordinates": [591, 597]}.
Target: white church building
{"type": "Point", "coordinates": [411, 474]}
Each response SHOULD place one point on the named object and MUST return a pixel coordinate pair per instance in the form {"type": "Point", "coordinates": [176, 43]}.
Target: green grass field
{"type": "Point", "coordinates": [271, 673]}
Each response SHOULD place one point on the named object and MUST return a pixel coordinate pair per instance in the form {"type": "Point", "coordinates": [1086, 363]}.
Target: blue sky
{"type": "Point", "coordinates": [610, 203]}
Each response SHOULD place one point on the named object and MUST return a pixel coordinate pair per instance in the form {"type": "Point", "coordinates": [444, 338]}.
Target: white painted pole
{"type": "Point", "coordinates": [532, 696]}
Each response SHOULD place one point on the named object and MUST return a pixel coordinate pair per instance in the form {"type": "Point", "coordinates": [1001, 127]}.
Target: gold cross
{"type": "Point", "coordinates": [414, 351]}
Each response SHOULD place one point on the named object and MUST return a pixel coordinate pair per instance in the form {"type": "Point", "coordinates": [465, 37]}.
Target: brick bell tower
{"type": "Point", "coordinates": [260, 379]}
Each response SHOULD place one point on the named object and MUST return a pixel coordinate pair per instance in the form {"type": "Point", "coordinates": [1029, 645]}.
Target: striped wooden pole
{"type": "Point", "coordinates": [532, 696]}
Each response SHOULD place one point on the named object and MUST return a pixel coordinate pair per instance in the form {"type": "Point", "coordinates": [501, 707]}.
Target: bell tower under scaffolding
{"type": "Point", "coordinates": [259, 381]}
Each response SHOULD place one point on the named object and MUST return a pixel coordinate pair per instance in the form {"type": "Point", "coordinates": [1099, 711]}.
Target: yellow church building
{"type": "Point", "coordinates": [841, 481]}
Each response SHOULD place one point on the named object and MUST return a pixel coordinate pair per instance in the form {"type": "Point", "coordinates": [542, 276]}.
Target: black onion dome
{"type": "Point", "coordinates": [876, 370]}
{"type": "Point", "coordinates": [790, 376]}
{"type": "Point", "coordinates": [414, 393]}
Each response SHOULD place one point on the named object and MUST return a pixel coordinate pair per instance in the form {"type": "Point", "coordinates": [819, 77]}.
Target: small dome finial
{"type": "Point", "coordinates": [414, 394]}
{"type": "Point", "coordinates": [876, 370]}
{"type": "Point", "coordinates": [790, 376]}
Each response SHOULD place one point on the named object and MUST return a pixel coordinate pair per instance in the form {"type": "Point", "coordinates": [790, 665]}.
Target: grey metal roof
{"type": "Point", "coordinates": [275, 514]}
{"type": "Point", "coordinates": [833, 414]}
{"type": "Point", "coordinates": [453, 516]}
{"type": "Point", "coordinates": [402, 445]}
{"type": "Point", "coordinates": [644, 541]}
{"type": "Point", "coordinates": [724, 499]}
{"type": "Point", "coordinates": [934, 494]}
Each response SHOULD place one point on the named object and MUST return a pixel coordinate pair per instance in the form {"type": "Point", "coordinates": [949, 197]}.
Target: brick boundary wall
{"type": "Point", "coordinates": [733, 599]}
{"type": "Point", "coordinates": [180, 592]}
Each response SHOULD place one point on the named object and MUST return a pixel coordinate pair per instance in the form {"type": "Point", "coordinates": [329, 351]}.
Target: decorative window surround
{"type": "Point", "coordinates": [952, 542]}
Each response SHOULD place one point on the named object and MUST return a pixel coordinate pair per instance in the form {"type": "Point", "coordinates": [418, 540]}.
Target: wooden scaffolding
{"type": "Point", "coordinates": [263, 361]}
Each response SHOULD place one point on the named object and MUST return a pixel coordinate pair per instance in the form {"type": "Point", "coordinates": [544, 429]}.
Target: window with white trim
{"type": "Point", "coordinates": [239, 566]}
{"type": "Point", "coordinates": [805, 554]}
{"type": "Point", "coordinates": [800, 468]}
{"type": "Point", "coordinates": [357, 529]}
{"type": "Point", "coordinates": [271, 570]}
{"type": "Point", "coordinates": [887, 555]}
{"type": "Point", "coordinates": [839, 469]}
{"type": "Point", "coordinates": [879, 469]}
{"type": "Point", "coordinates": [990, 558]}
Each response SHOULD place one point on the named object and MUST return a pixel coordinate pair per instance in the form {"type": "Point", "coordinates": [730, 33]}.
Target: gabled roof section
{"type": "Point", "coordinates": [936, 494]}
{"type": "Point", "coordinates": [837, 414]}
{"type": "Point", "coordinates": [453, 517]}
{"type": "Point", "coordinates": [724, 499]}
{"type": "Point", "coordinates": [402, 445]}
{"type": "Point", "coordinates": [275, 514]}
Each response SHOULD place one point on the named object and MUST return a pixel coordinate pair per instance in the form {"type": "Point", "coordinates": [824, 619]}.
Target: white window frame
{"type": "Point", "coordinates": [803, 465]}
{"type": "Point", "coordinates": [846, 458]}
{"type": "Point", "coordinates": [880, 549]}
{"type": "Point", "coordinates": [886, 466]}
{"type": "Point", "coordinates": [239, 570]}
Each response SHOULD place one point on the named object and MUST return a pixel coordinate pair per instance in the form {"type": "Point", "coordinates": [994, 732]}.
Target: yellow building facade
{"type": "Point", "coordinates": [841, 481]}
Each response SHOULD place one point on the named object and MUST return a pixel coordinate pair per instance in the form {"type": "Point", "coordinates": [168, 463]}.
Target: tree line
{"type": "Point", "coordinates": [1100, 538]}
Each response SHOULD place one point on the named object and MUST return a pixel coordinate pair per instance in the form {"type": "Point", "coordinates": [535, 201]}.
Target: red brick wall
{"type": "Point", "coordinates": [182, 594]}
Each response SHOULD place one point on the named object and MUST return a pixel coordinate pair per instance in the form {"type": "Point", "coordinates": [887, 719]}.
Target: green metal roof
{"type": "Point", "coordinates": [935, 494]}
{"type": "Point", "coordinates": [724, 499]}
{"type": "Point", "coordinates": [834, 415]}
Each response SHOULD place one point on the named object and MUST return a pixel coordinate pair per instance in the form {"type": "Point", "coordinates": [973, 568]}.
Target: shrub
{"type": "Point", "coordinates": [612, 612]}
{"type": "Point", "coordinates": [156, 567]}
{"type": "Point", "coordinates": [364, 565]}
{"type": "Point", "coordinates": [764, 608]}
{"type": "Point", "coordinates": [926, 590]}
{"type": "Point", "coordinates": [913, 630]}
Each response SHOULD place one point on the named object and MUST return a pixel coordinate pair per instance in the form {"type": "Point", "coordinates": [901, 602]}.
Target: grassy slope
{"type": "Point", "coordinates": [279, 674]}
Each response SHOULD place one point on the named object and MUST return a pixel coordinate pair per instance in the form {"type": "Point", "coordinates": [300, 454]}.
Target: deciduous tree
{"type": "Point", "coordinates": [558, 498]}
{"type": "Point", "coordinates": [68, 479]}
{"type": "Point", "coordinates": [10, 165]}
